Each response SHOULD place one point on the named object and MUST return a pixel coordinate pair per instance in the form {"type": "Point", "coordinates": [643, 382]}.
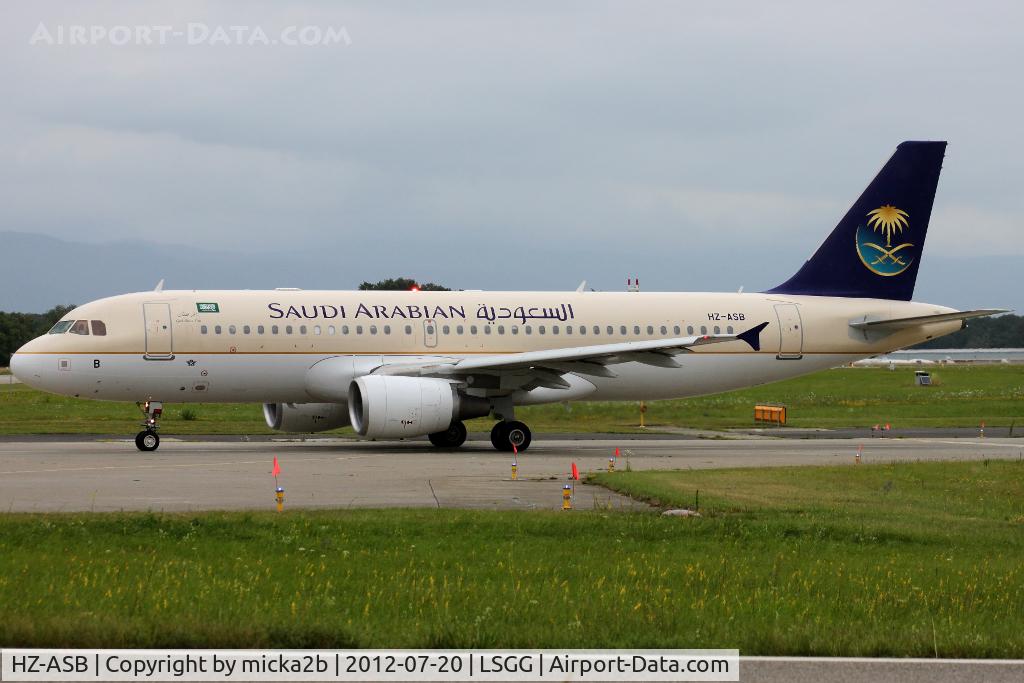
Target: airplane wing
{"type": "Point", "coordinates": [914, 321]}
{"type": "Point", "coordinates": [544, 368]}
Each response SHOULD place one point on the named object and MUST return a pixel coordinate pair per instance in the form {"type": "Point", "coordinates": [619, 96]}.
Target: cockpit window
{"type": "Point", "coordinates": [99, 328]}
{"type": "Point", "coordinates": [80, 327]}
{"type": "Point", "coordinates": [61, 327]}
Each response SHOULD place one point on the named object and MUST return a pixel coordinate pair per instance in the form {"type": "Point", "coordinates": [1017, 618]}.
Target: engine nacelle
{"type": "Point", "coordinates": [305, 417]}
{"type": "Point", "coordinates": [384, 406]}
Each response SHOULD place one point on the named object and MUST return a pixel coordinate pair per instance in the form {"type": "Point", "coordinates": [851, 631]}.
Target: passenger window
{"type": "Point", "coordinates": [408, 329]}
{"type": "Point", "coordinates": [515, 329]}
{"type": "Point", "coordinates": [203, 329]}
{"type": "Point", "coordinates": [540, 329]}
{"type": "Point", "coordinates": [344, 329]}
{"type": "Point", "coordinates": [316, 330]}
{"type": "Point", "coordinates": [387, 329]}
{"type": "Point", "coordinates": [622, 330]}
{"type": "Point", "coordinates": [597, 329]}
{"type": "Point", "coordinates": [288, 329]}
{"type": "Point", "coordinates": [99, 328]}
{"type": "Point", "coordinates": [62, 327]}
{"type": "Point", "coordinates": [487, 329]}
{"type": "Point", "coordinates": [232, 329]}
{"type": "Point", "coordinates": [260, 329]}
{"type": "Point", "coordinates": [703, 329]}
{"type": "Point", "coordinates": [217, 329]}
{"type": "Point", "coordinates": [718, 330]}
{"type": "Point", "coordinates": [80, 327]}
{"type": "Point", "coordinates": [583, 329]}
{"type": "Point", "coordinates": [373, 329]}
{"type": "Point", "coordinates": [460, 329]}
{"type": "Point", "coordinates": [689, 329]}
{"type": "Point", "coordinates": [430, 329]}
{"type": "Point", "coordinates": [676, 331]}
{"type": "Point", "coordinates": [568, 329]}
{"type": "Point", "coordinates": [274, 329]}
{"type": "Point", "coordinates": [331, 330]}
{"type": "Point", "coordinates": [472, 329]}
{"type": "Point", "coordinates": [302, 329]}
{"type": "Point", "coordinates": [728, 330]}
{"type": "Point", "coordinates": [247, 330]}
{"type": "Point", "coordinates": [501, 329]}
{"type": "Point", "coordinates": [359, 329]}
{"type": "Point", "coordinates": [554, 329]}
{"type": "Point", "coordinates": [446, 329]}
{"type": "Point", "coordinates": [528, 329]}
{"type": "Point", "coordinates": [664, 330]}
{"type": "Point", "coordinates": [636, 330]}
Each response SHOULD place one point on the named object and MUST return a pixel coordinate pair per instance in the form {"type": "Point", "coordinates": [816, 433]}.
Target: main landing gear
{"type": "Point", "coordinates": [148, 439]}
{"type": "Point", "coordinates": [507, 433]}
{"type": "Point", "coordinates": [453, 437]}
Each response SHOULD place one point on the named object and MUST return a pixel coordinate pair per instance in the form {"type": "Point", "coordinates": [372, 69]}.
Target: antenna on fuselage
{"type": "Point", "coordinates": [582, 288]}
{"type": "Point", "coordinates": [159, 286]}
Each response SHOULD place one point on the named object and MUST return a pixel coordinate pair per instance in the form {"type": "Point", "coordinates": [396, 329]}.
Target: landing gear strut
{"type": "Point", "coordinates": [506, 433]}
{"type": "Point", "coordinates": [453, 437]}
{"type": "Point", "coordinates": [148, 439]}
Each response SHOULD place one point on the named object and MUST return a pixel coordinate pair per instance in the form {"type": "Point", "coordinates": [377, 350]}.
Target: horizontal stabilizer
{"type": "Point", "coordinates": [914, 321]}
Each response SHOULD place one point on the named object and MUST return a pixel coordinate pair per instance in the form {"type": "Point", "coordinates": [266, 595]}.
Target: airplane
{"type": "Point", "coordinates": [396, 365]}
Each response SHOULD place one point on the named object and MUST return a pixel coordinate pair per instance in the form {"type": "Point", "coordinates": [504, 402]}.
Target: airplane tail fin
{"type": "Point", "coordinates": [875, 250]}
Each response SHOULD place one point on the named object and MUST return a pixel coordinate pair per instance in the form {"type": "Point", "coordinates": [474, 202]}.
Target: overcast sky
{"type": "Point", "coordinates": [519, 144]}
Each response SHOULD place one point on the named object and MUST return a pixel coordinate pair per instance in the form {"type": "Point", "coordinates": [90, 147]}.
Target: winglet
{"type": "Point", "coordinates": [159, 286]}
{"type": "Point", "coordinates": [753, 336]}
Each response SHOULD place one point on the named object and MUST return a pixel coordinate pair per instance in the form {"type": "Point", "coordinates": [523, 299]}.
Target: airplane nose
{"type": "Point", "coordinates": [18, 366]}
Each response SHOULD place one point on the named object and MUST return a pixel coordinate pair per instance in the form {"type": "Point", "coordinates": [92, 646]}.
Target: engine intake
{"type": "Point", "coordinates": [384, 406]}
{"type": "Point", "coordinates": [305, 417]}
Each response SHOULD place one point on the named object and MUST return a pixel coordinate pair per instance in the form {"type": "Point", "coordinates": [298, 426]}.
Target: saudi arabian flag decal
{"type": "Point", "coordinates": [208, 308]}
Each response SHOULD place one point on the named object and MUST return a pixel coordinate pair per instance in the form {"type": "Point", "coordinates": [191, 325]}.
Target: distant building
{"type": "Point", "coordinates": [943, 356]}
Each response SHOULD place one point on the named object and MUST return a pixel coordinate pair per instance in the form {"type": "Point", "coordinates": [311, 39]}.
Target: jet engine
{"type": "Point", "coordinates": [384, 406]}
{"type": "Point", "coordinates": [305, 417]}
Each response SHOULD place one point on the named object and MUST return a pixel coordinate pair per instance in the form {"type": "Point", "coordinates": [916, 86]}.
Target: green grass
{"type": "Point", "coordinates": [847, 397]}
{"type": "Point", "coordinates": [907, 560]}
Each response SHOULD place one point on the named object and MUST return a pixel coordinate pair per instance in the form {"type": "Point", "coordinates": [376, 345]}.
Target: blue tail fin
{"type": "Point", "coordinates": [876, 249]}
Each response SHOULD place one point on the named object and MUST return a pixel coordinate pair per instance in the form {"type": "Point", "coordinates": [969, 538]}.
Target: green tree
{"type": "Point", "coordinates": [402, 284]}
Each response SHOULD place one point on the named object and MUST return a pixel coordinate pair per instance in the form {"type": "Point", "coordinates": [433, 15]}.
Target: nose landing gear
{"type": "Point", "coordinates": [148, 439]}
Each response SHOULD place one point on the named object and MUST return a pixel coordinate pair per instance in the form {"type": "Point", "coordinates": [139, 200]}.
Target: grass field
{"type": "Point", "coordinates": [857, 397]}
{"type": "Point", "coordinates": [907, 560]}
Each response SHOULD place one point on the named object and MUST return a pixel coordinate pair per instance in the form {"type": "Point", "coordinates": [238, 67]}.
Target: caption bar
{"type": "Point", "coordinates": [369, 665]}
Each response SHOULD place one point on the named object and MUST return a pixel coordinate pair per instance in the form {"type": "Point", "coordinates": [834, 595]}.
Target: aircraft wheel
{"type": "Point", "coordinates": [453, 437]}
{"type": "Point", "coordinates": [147, 440]}
{"type": "Point", "coordinates": [499, 436]}
{"type": "Point", "coordinates": [518, 434]}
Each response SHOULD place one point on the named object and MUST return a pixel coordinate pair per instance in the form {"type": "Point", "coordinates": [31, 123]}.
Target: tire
{"type": "Point", "coordinates": [147, 441]}
{"type": "Point", "coordinates": [499, 436]}
{"type": "Point", "coordinates": [453, 437]}
{"type": "Point", "coordinates": [518, 433]}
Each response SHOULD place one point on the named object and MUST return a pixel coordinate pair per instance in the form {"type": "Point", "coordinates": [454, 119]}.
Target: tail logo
{"type": "Point", "coordinates": [888, 260]}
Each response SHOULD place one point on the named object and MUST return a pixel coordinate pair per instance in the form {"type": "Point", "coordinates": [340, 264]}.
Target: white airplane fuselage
{"type": "Point", "coordinates": [259, 346]}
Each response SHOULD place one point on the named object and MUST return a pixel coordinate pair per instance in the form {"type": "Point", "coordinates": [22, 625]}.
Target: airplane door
{"type": "Point", "coordinates": [791, 334]}
{"type": "Point", "coordinates": [159, 345]}
{"type": "Point", "coordinates": [430, 333]}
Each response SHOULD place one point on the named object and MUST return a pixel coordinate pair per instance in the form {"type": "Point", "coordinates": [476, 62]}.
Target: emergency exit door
{"type": "Point", "coordinates": [791, 333]}
{"type": "Point", "coordinates": [159, 342]}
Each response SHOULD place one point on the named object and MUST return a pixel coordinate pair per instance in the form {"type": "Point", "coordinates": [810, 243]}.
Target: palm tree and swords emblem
{"type": "Point", "coordinates": [884, 260]}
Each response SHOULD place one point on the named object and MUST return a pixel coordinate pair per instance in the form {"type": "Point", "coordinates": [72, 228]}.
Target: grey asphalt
{"type": "Point", "coordinates": [106, 475]}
